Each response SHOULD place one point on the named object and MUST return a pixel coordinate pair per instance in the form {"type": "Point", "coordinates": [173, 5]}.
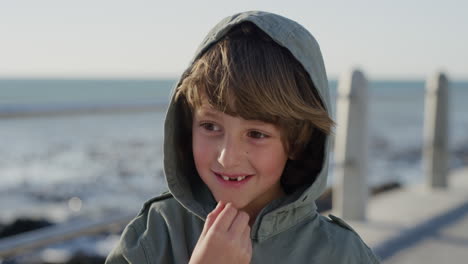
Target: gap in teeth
{"type": "Point", "coordinates": [233, 179]}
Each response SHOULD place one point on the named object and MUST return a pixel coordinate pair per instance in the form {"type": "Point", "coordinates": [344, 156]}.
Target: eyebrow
{"type": "Point", "coordinates": [208, 113]}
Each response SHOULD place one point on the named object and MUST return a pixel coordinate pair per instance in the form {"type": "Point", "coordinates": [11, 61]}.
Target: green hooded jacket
{"type": "Point", "coordinates": [288, 229]}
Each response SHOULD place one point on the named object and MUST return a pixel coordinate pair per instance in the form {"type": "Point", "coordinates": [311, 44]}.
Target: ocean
{"type": "Point", "coordinates": [90, 148]}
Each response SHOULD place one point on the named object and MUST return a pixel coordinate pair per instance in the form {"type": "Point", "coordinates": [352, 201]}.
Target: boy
{"type": "Point", "coordinates": [245, 156]}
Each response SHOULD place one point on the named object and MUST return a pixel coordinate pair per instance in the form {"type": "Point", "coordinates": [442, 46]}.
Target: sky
{"type": "Point", "coordinates": [399, 39]}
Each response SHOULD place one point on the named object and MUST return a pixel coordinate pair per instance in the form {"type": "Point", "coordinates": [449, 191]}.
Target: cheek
{"type": "Point", "coordinates": [202, 151]}
{"type": "Point", "coordinates": [272, 162]}
{"type": "Point", "coordinates": [197, 149]}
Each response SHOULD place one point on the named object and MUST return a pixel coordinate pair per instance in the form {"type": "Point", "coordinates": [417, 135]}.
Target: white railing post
{"type": "Point", "coordinates": [435, 155]}
{"type": "Point", "coordinates": [350, 171]}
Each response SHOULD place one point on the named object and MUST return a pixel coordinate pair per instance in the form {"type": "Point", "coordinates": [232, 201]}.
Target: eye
{"type": "Point", "coordinates": [210, 127]}
{"type": "Point", "coordinates": [257, 135]}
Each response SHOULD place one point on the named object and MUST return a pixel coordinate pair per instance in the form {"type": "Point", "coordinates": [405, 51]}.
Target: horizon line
{"type": "Point", "coordinates": [174, 78]}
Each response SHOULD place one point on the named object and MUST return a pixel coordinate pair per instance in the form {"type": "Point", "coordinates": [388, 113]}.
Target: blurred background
{"type": "Point", "coordinates": [84, 86]}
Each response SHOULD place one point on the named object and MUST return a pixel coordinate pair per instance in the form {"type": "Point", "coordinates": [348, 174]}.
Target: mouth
{"type": "Point", "coordinates": [233, 179]}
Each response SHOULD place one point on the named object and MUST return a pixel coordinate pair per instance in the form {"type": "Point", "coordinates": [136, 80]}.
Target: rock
{"type": "Point", "coordinates": [385, 188]}
{"type": "Point", "coordinates": [81, 258]}
{"type": "Point", "coordinates": [22, 225]}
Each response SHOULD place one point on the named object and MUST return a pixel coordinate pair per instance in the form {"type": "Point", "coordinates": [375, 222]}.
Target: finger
{"type": "Point", "coordinates": [214, 214]}
{"type": "Point", "coordinates": [247, 242]}
{"type": "Point", "coordinates": [239, 224]}
{"type": "Point", "coordinates": [246, 234]}
{"type": "Point", "coordinates": [224, 219]}
{"type": "Point", "coordinates": [211, 217]}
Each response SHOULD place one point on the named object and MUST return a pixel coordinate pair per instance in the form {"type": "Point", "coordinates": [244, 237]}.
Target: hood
{"type": "Point", "coordinates": [195, 196]}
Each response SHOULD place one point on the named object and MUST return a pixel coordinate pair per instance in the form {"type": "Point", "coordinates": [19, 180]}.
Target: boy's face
{"type": "Point", "coordinates": [241, 161]}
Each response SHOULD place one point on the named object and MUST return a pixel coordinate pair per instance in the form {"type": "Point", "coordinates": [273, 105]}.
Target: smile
{"type": "Point", "coordinates": [232, 178]}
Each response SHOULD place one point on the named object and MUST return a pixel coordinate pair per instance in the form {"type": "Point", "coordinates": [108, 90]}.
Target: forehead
{"type": "Point", "coordinates": [250, 111]}
{"type": "Point", "coordinates": [210, 112]}
{"type": "Point", "coordinates": [205, 107]}
{"type": "Point", "coordinates": [206, 110]}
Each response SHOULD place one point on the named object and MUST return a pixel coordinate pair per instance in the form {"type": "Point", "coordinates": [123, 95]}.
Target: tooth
{"type": "Point", "coordinates": [240, 178]}
{"type": "Point", "coordinates": [225, 178]}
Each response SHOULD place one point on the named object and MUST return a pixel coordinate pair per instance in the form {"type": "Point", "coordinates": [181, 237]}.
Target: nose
{"type": "Point", "coordinates": [230, 153]}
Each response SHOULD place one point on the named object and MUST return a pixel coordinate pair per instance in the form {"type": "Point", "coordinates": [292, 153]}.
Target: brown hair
{"type": "Point", "coordinates": [249, 75]}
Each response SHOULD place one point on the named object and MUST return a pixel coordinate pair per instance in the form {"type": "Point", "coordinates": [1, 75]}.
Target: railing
{"type": "Point", "coordinates": [350, 190]}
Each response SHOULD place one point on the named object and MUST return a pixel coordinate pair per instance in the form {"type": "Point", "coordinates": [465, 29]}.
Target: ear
{"type": "Point", "coordinates": [292, 155]}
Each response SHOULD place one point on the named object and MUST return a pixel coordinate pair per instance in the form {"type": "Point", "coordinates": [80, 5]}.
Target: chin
{"type": "Point", "coordinates": [237, 204]}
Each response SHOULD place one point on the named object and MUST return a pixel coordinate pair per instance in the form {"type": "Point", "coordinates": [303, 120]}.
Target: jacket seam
{"type": "Point", "coordinates": [148, 249]}
{"type": "Point", "coordinates": [142, 241]}
{"type": "Point", "coordinates": [265, 238]}
{"type": "Point", "coordinates": [292, 31]}
{"type": "Point", "coordinates": [372, 256]}
{"type": "Point", "coordinates": [367, 250]}
{"type": "Point", "coordinates": [148, 203]}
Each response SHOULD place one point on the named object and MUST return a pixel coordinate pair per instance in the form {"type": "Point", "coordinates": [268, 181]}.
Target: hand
{"type": "Point", "coordinates": [225, 237]}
